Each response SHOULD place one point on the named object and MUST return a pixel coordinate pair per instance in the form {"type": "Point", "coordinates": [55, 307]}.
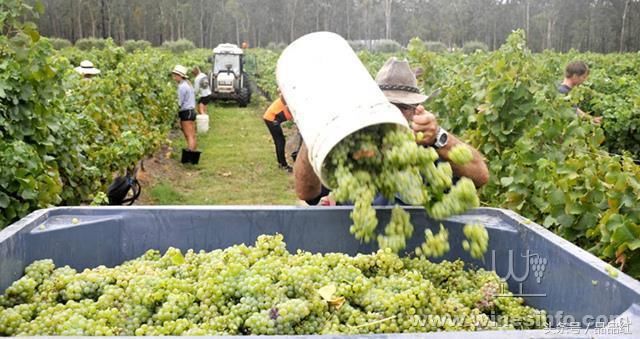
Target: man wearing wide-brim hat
{"type": "Point", "coordinates": [398, 83]}
{"type": "Point", "coordinates": [86, 69]}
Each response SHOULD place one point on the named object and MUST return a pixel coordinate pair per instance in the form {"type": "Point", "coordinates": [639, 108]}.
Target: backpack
{"type": "Point", "coordinates": [120, 187]}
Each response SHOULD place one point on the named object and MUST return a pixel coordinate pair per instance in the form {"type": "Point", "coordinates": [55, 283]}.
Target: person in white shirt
{"type": "Point", "coordinates": [202, 89]}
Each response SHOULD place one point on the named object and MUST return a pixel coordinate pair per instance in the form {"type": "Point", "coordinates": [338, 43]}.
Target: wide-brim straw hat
{"type": "Point", "coordinates": [86, 67]}
{"type": "Point", "coordinates": [181, 71]}
{"type": "Point", "coordinates": [398, 83]}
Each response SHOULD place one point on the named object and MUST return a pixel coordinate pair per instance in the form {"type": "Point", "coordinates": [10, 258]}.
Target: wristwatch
{"type": "Point", "coordinates": [442, 137]}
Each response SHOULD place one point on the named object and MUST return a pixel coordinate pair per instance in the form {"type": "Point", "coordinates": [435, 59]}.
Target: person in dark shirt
{"type": "Point", "coordinates": [575, 74]}
{"type": "Point", "coordinates": [398, 82]}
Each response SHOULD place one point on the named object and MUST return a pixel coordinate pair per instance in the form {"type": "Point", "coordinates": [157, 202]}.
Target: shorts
{"type": "Point", "coordinates": [187, 115]}
{"type": "Point", "coordinates": [205, 100]}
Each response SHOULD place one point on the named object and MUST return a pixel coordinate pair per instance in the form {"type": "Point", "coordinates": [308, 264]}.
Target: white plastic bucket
{"type": "Point", "coordinates": [330, 94]}
{"type": "Point", "coordinates": [202, 123]}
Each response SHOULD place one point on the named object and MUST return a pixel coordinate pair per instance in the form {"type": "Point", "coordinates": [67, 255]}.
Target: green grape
{"type": "Point", "coordinates": [460, 154]}
{"type": "Point", "coordinates": [263, 290]}
{"type": "Point", "coordinates": [477, 240]}
{"type": "Point", "coordinates": [434, 245]}
{"type": "Point", "coordinates": [611, 271]}
{"type": "Point", "coordinates": [409, 187]}
{"type": "Point", "coordinates": [397, 231]}
{"type": "Point", "coordinates": [460, 198]}
{"type": "Point", "coordinates": [386, 160]}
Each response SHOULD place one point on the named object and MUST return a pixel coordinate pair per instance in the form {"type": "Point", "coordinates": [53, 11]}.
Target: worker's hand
{"type": "Point", "coordinates": [425, 122]}
{"type": "Point", "coordinates": [327, 201]}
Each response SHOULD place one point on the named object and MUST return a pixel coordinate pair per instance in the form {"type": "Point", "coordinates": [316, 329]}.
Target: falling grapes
{"type": "Point", "coordinates": [260, 290]}
{"type": "Point", "coordinates": [397, 231]}
{"type": "Point", "coordinates": [385, 160]}
{"type": "Point", "coordinates": [434, 246]}
{"type": "Point", "coordinates": [477, 240]}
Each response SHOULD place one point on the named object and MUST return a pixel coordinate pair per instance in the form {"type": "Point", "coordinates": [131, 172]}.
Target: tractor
{"type": "Point", "coordinates": [228, 78]}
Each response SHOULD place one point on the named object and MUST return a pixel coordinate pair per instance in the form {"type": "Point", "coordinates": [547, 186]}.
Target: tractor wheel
{"type": "Point", "coordinates": [247, 84]}
{"type": "Point", "coordinates": [244, 97]}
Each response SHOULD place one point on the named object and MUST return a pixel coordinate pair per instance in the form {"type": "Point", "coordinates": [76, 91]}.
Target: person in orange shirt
{"type": "Point", "coordinates": [276, 114]}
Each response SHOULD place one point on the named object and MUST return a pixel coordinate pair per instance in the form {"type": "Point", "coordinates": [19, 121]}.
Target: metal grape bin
{"type": "Point", "coordinates": [550, 273]}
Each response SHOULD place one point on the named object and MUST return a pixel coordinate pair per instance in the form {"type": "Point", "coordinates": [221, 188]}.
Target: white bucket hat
{"type": "Point", "coordinates": [181, 71]}
{"type": "Point", "coordinates": [86, 67]}
{"type": "Point", "coordinates": [398, 83]}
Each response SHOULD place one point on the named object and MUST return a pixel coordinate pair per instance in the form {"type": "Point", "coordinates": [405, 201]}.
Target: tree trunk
{"type": "Point", "coordinates": [292, 21]}
{"type": "Point", "coordinates": [211, 34]}
{"type": "Point", "coordinates": [624, 23]}
{"type": "Point", "coordinates": [366, 21]}
{"type": "Point", "coordinates": [162, 23]}
{"type": "Point", "coordinates": [176, 17]}
{"type": "Point", "coordinates": [526, 20]}
{"type": "Point", "coordinates": [92, 19]}
{"type": "Point", "coordinates": [74, 18]}
{"type": "Point", "coordinates": [318, 18]}
{"type": "Point", "coordinates": [183, 31]}
{"type": "Point", "coordinates": [258, 42]}
{"type": "Point", "coordinates": [144, 29]}
{"type": "Point", "coordinates": [387, 18]}
{"type": "Point", "coordinates": [80, 16]}
{"type": "Point", "coordinates": [255, 40]}
{"type": "Point", "coordinates": [550, 24]}
{"type": "Point", "coordinates": [54, 25]}
{"type": "Point", "coordinates": [77, 13]}
{"type": "Point", "coordinates": [105, 19]}
{"type": "Point", "coordinates": [202, 16]}
{"type": "Point", "coordinates": [123, 31]}
{"type": "Point", "coordinates": [246, 30]}
{"type": "Point", "coordinates": [237, 32]}
{"type": "Point", "coordinates": [348, 19]}
{"type": "Point", "coordinates": [109, 21]}
{"type": "Point", "coordinates": [589, 30]}
{"type": "Point", "coordinates": [172, 30]}
{"type": "Point", "coordinates": [181, 22]}
{"type": "Point", "coordinates": [495, 33]}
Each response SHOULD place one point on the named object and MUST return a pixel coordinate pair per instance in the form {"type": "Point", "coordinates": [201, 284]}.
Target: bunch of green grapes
{"type": "Point", "coordinates": [260, 290]}
{"type": "Point", "coordinates": [397, 230]}
{"type": "Point", "coordinates": [458, 200]}
{"type": "Point", "coordinates": [385, 160]}
{"type": "Point", "coordinates": [434, 246]}
{"type": "Point", "coordinates": [460, 154]}
{"type": "Point", "coordinates": [477, 240]}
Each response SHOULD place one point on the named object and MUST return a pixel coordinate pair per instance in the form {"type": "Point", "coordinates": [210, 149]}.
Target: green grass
{"type": "Point", "coordinates": [237, 167]}
{"type": "Point", "coordinates": [164, 194]}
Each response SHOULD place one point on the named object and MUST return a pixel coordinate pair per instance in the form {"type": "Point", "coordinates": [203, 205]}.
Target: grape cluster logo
{"type": "Point", "coordinates": [531, 262]}
{"type": "Point", "coordinates": [538, 266]}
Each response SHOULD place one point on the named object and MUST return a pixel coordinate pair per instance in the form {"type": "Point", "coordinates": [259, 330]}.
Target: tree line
{"type": "Point", "coordinates": [585, 25]}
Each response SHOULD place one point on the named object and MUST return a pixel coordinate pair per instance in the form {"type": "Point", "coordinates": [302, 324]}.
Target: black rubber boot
{"type": "Point", "coordinates": [185, 156]}
{"type": "Point", "coordinates": [195, 157]}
